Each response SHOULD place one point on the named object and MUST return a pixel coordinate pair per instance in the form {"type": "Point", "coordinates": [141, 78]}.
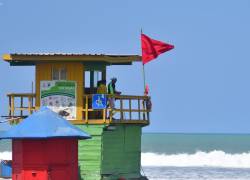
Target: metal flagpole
{"type": "Point", "coordinates": [143, 70]}
{"type": "Point", "coordinates": [144, 78]}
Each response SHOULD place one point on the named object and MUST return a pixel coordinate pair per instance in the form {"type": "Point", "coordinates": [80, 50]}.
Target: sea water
{"type": "Point", "coordinates": [196, 156]}
{"type": "Point", "coordinates": [188, 156]}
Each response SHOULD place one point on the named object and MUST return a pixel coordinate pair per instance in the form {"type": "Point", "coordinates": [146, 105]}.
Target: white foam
{"type": "Point", "coordinates": [198, 159]}
{"type": "Point", "coordinates": [6, 155]}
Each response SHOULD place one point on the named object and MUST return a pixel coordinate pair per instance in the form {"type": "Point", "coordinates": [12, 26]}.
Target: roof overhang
{"type": "Point", "coordinates": [32, 59]}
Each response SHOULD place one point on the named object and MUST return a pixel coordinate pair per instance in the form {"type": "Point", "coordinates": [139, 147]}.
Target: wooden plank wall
{"type": "Point", "coordinates": [89, 153]}
{"type": "Point", "coordinates": [121, 152]}
{"type": "Point", "coordinates": [74, 73]}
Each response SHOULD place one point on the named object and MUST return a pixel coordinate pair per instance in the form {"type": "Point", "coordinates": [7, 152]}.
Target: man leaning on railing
{"type": "Point", "coordinates": [112, 92]}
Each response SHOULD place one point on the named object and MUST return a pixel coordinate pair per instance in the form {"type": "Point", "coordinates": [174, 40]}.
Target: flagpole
{"type": "Point", "coordinates": [144, 78]}
{"type": "Point", "coordinates": [143, 70]}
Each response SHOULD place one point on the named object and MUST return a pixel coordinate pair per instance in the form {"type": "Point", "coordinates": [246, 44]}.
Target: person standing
{"type": "Point", "coordinates": [112, 92]}
{"type": "Point", "coordinates": [101, 89]}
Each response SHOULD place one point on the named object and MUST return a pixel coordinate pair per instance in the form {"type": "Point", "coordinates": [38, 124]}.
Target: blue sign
{"type": "Point", "coordinates": [99, 101]}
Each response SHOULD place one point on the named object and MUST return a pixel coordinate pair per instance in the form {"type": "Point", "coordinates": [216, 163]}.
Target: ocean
{"type": "Point", "coordinates": [167, 156]}
{"type": "Point", "coordinates": [196, 156]}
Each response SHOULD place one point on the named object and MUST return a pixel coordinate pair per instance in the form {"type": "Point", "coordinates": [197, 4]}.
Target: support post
{"type": "Point", "coordinates": [104, 115]}
{"type": "Point", "coordinates": [139, 109]}
{"type": "Point", "coordinates": [130, 107]}
{"type": "Point", "coordinates": [29, 104]}
{"type": "Point", "coordinates": [121, 109]}
{"type": "Point", "coordinates": [21, 106]}
{"type": "Point", "coordinates": [86, 109]}
{"type": "Point", "coordinates": [12, 105]}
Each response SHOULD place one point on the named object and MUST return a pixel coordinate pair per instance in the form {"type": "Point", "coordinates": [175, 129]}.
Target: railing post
{"type": "Point", "coordinates": [32, 100]}
{"type": "Point", "coordinates": [104, 115]}
{"type": "Point", "coordinates": [86, 109]}
{"type": "Point", "coordinates": [121, 109]}
{"type": "Point", "coordinates": [139, 109]}
{"type": "Point", "coordinates": [12, 105]}
{"type": "Point", "coordinates": [144, 109]}
{"type": "Point", "coordinates": [29, 104]}
{"type": "Point", "coordinates": [110, 115]}
{"type": "Point", "coordinates": [9, 105]}
{"type": "Point", "coordinates": [21, 106]}
{"type": "Point", "coordinates": [130, 107]}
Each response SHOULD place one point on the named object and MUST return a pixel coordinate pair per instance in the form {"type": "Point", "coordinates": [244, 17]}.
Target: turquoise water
{"type": "Point", "coordinates": [5, 145]}
{"type": "Point", "coordinates": [191, 143]}
{"type": "Point", "coordinates": [184, 143]}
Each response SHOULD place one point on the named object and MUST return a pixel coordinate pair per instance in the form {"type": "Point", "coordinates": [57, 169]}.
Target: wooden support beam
{"type": "Point", "coordinates": [144, 108]}
{"type": "Point", "coordinates": [130, 108]}
{"type": "Point", "coordinates": [86, 109]}
{"type": "Point", "coordinates": [21, 106]}
{"type": "Point", "coordinates": [104, 115]}
{"type": "Point", "coordinates": [139, 109]}
{"type": "Point", "coordinates": [121, 109]}
{"type": "Point", "coordinates": [100, 121]}
{"type": "Point", "coordinates": [12, 105]}
{"type": "Point", "coordinates": [9, 105]}
{"type": "Point", "coordinates": [29, 105]}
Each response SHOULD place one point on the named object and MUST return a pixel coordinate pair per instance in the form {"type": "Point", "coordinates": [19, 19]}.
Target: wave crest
{"type": "Point", "coordinates": [5, 155]}
{"type": "Point", "coordinates": [198, 159]}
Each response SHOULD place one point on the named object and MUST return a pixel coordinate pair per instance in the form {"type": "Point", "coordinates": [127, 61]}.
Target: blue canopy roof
{"type": "Point", "coordinates": [44, 124]}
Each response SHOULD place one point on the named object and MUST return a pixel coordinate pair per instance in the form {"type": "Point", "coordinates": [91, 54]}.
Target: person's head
{"type": "Point", "coordinates": [113, 80]}
{"type": "Point", "coordinates": [99, 83]}
{"type": "Point", "coordinates": [103, 82]}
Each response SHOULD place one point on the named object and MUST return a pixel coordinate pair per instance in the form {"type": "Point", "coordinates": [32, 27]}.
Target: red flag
{"type": "Point", "coordinates": [151, 48]}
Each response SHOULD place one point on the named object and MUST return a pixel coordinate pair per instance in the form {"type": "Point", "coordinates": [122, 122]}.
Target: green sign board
{"type": "Point", "coordinates": [60, 96]}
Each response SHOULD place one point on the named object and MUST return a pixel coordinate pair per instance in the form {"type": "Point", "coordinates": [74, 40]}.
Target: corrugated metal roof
{"type": "Point", "coordinates": [69, 54]}
{"type": "Point", "coordinates": [44, 124]}
{"type": "Point", "coordinates": [33, 58]}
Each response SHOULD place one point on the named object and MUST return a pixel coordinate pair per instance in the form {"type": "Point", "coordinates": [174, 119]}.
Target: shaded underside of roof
{"type": "Point", "coordinates": [19, 59]}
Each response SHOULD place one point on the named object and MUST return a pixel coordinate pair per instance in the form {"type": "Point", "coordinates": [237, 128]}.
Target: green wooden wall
{"type": "Point", "coordinates": [89, 153]}
{"type": "Point", "coordinates": [121, 152]}
{"type": "Point", "coordinates": [113, 152]}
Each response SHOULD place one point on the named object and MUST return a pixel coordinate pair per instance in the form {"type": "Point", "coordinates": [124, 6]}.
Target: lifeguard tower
{"type": "Point", "coordinates": [67, 84]}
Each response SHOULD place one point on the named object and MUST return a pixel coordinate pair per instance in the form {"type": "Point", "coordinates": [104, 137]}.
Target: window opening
{"type": "Point", "coordinates": [87, 79]}
{"type": "Point", "coordinates": [97, 77]}
{"type": "Point", "coordinates": [63, 74]}
{"type": "Point", "coordinates": [59, 74]}
{"type": "Point", "coordinates": [55, 74]}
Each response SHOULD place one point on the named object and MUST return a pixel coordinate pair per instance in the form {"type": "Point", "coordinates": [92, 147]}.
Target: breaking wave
{"type": "Point", "coordinates": [6, 155]}
{"type": "Point", "coordinates": [199, 159]}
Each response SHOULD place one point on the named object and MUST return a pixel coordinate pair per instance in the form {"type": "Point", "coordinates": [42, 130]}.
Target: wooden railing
{"type": "Point", "coordinates": [128, 109]}
{"type": "Point", "coordinates": [21, 104]}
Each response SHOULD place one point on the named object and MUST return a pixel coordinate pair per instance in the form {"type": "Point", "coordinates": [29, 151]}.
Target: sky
{"type": "Point", "coordinates": [202, 86]}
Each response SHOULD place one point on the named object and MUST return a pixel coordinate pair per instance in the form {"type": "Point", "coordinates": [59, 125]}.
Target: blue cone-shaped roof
{"type": "Point", "coordinates": [44, 124]}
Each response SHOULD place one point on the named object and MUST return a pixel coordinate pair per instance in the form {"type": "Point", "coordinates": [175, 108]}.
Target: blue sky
{"type": "Point", "coordinates": [200, 86]}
